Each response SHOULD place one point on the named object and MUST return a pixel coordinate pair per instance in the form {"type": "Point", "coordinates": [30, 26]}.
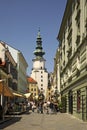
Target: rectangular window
{"type": "Point", "coordinates": [78, 100]}
{"type": "Point", "coordinates": [41, 80]}
{"type": "Point", "coordinates": [34, 89]}
{"type": "Point", "coordinates": [31, 89]}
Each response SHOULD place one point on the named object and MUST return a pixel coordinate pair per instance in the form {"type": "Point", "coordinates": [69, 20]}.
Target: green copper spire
{"type": "Point", "coordinates": [39, 50]}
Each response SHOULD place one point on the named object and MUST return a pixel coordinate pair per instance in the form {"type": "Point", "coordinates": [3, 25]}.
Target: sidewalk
{"type": "Point", "coordinates": [11, 116]}
{"type": "Point", "coordinates": [6, 118]}
{"type": "Point", "coordinates": [37, 121]}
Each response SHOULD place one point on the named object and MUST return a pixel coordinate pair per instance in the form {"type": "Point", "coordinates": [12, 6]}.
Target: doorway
{"type": "Point", "coordinates": [70, 98]}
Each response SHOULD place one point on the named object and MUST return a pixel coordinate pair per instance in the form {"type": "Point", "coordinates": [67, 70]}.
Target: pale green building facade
{"type": "Point", "coordinates": [72, 39]}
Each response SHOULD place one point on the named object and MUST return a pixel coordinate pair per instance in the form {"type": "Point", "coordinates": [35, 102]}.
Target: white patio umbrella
{"type": "Point", "coordinates": [27, 95]}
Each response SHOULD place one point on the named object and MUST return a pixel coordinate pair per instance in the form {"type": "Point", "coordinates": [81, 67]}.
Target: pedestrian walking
{"type": "Point", "coordinates": [33, 106]}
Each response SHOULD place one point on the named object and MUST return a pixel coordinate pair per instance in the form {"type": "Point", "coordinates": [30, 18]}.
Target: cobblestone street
{"type": "Point", "coordinates": [35, 121]}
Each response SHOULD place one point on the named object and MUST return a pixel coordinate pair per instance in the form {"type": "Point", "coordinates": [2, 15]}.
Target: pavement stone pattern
{"type": "Point", "coordinates": [35, 121]}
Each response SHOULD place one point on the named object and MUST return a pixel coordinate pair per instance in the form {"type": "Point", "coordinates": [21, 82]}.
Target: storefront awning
{"type": "Point", "coordinates": [5, 90]}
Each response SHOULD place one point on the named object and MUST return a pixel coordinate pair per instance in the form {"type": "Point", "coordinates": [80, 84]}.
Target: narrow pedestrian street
{"type": "Point", "coordinates": [35, 121]}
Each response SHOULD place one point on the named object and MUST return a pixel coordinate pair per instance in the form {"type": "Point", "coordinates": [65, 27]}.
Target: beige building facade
{"type": "Point", "coordinates": [32, 88]}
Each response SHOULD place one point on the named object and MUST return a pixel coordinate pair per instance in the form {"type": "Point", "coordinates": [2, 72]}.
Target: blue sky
{"type": "Point", "coordinates": [20, 21]}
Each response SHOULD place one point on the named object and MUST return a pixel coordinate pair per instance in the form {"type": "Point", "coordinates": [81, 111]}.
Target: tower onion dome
{"type": "Point", "coordinates": [39, 50]}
